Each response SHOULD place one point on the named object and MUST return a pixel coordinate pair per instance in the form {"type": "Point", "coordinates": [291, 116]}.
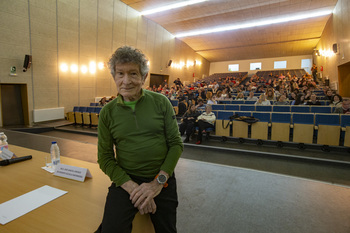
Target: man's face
{"type": "Point", "coordinates": [128, 80]}
{"type": "Point", "coordinates": [346, 104]}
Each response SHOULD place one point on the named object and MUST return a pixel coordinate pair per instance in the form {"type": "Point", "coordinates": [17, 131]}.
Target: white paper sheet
{"type": "Point", "coordinates": [25, 203]}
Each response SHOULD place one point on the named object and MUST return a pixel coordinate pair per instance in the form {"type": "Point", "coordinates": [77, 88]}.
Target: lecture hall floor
{"type": "Point", "coordinates": [232, 187]}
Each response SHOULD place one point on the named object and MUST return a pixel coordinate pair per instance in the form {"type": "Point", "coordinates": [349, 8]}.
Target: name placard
{"type": "Point", "coordinates": [6, 154]}
{"type": "Point", "coordinates": [72, 172]}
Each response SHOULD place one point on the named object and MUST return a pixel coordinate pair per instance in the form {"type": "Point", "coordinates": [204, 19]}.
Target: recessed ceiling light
{"type": "Point", "coordinates": [261, 22]}
{"type": "Point", "coordinates": [172, 6]}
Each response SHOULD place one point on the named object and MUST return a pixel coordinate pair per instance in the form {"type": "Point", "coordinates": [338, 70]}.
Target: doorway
{"type": "Point", "coordinates": [158, 79]}
{"type": "Point", "coordinates": [14, 105]}
{"type": "Point", "coordinates": [344, 79]}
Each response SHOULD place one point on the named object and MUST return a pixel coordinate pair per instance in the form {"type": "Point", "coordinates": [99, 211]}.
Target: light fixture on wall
{"type": "Point", "coordinates": [100, 65]}
{"type": "Point", "coordinates": [74, 68]}
{"type": "Point", "coordinates": [64, 67]}
{"type": "Point", "coordinates": [84, 69]}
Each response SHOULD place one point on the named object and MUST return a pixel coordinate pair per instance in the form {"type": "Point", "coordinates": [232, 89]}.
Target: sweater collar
{"type": "Point", "coordinates": [120, 100]}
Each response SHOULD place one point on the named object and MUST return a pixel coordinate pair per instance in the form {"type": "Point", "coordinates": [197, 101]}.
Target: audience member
{"type": "Point", "coordinates": [188, 122]}
{"type": "Point", "coordinates": [251, 96]}
{"type": "Point", "coordinates": [344, 108]}
{"type": "Point", "coordinates": [262, 100]}
{"type": "Point", "coordinates": [313, 100]}
{"type": "Point", "coordinates": [205, 120]}
{"type": "Point", "coordinates": [336, 101]}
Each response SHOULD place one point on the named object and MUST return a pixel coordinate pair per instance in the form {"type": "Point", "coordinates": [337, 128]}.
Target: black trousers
{"type": "Point", "coordinates": [202, 125]}
{"type": "Point", "coordinates": [188, 127]}
{"type": "Point", "coordinates": [120, 212]}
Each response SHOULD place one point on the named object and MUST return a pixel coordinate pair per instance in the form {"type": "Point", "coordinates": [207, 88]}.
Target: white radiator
{"type": "Point", "coordinates": [48, 114]}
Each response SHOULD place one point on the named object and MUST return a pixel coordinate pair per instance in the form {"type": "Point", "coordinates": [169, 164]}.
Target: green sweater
{"type": "Point", "coordinates": [146, 140]}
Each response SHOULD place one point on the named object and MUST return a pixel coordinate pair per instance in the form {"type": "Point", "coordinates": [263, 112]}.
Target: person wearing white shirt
{"type": "Point", "coordinates": [262, 100]}
{"type": "Point", "coordinates": [205, 120]}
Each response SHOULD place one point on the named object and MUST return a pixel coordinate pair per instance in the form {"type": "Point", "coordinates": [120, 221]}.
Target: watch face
{"type": "Point", "coordinates": [161, 179]}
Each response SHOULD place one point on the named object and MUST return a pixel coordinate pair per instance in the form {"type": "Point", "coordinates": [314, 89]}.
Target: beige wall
{"type": "Point", "coordinates": [266, 64]}
{"type": "Point", "coordinates": [337, 31]}
{"type": "Point", "coordinates": [77, 32]}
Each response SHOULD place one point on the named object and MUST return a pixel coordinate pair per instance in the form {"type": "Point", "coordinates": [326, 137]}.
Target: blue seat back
{"type": "Point", "coordinates": [98, 109]}
{"type": "Point", "coordinates": [244, 113]}
{"type": "Point", "coordinates": [327, 119]}
{"type": "Point", "coordinates": [303, 118]}
{"type": "Point", "coordinates": [224, 101]}
{"type": "Point", "coordinates": [321, 109]}
{"type": "Point", "coordinates": [75, 109]}
{"type": "Point", "coordinates": [218, 107]}
{"type": "Point", "coordinates": [237, 102]}
{"type": "Point", "coordinates": [280, 117]}
{"type": "Point", "coordinates": [298, 108]}
{"type": "Point", "coordinates": [224, 115]}
{"type": "Point", "coordinates": [82, 109]}
{"type": "Point", "coordinates": [232, 107]}
{"type": "Point", "coordinates": [262, 116]}
{"type": "Point", "coordinates": [281, 108]}
{"type": "Point", "coordinates": [249, 102]}
{"type": "Point", "coordinates": [90, 109]}
{"type": "Point", "coordinates": [263, 108]}
{"type": "Point", "coordinates": [244, 107]}
{"type": "Point", "coordinates": [344, 120]}
{"type": "Point", "coordinates": [175, 103]}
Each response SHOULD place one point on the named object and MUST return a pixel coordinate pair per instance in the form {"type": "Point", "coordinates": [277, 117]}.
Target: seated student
{"type": "Point", "coordinates": [240, 96]}
{"type": "Point", "coordinates": [103, 101]}
{"type": "Point", "coordinates": [281, 100]}
{"type": "Point", "coordinates": [270, 95]}
{"type": "Point", "coordinates": [251, 97]}
{"type": "Point", "coordinates": [262, 100]}
{"type": "Point", "coordinates": [344, 108]}
{"type": "Point", "coordinates": [313, 100]}
{"type": "Point", "coordinates": [300, 99]}
{"type": "Point", "coordinates": [328, 96]}
{"type": "Point", "coordinates": [336, 101]}
{"type": "Point", "coordinates": [205, 120]}
{"type": "Point", "coordinates": [188, 122]}
{"type": "Point", "coordinates": [211, 98]}
{"type": "Point", "coordinates": [200, 104]}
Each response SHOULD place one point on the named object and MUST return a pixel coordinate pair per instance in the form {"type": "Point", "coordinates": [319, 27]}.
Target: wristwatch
{"type": "Point", "coordinates": [161, 179]}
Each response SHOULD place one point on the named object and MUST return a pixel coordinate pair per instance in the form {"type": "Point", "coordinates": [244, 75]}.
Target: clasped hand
{"type": "Point", "coordinates": [142, 197]}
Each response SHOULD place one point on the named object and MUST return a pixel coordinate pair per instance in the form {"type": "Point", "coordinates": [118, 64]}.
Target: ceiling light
{"type": "Point", "coordinates": [255, 24]}
{"type": "Point", "coordinates": [172, 6]}
{"type": "Point", "coordinates": [74, 68]}
{"type": "Point", "coordinates": [84, 69]}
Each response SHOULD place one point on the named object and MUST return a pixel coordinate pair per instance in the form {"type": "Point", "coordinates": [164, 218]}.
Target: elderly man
{"type": "Point", "coordinates": [345, 107]}
{"type": "Point", "coordinates": [141, 126]}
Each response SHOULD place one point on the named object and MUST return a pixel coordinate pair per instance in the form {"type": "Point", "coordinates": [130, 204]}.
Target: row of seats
{"type": "Point", "coordinates": [236, 102]}
{"type": "Point", "coordinates": [84, 115]}
{"type": "Point", "coordinates": [275, 108]}
{"type": "Point", "coordinates": [323, 129]}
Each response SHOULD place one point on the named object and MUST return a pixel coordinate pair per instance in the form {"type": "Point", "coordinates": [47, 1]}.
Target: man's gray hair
{"type": "Point", "coordinates": [128, 54]}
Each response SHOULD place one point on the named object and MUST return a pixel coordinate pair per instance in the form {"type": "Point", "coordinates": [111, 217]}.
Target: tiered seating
{"type": "Point", "coordinates": [265, 74]}
{"type": "Point", "coordinates": [82, 115]}
{"type": "Point", "coordinates": [273, 108]}
{"type": "Point", "coordinates": [300, 128]}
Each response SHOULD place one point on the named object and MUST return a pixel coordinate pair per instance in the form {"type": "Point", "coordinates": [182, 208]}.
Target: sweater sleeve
{"type": "Point", "coordinates": [106, 157]}
{"type": "Point", "coordinates": [173, 139]}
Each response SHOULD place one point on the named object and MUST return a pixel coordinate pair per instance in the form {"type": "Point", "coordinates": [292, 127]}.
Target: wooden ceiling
{"type": "Point", "coordinates": [277, 40]}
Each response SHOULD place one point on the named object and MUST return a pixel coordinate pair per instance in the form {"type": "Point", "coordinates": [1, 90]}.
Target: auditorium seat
{"type": "Point", "coordinates": [328, 129]}
{"type": "Point", "coordinates": [300, 108]}
{"type": "Point", "coordinates": [240, 128]}
{"type": "Point", "coordinates": [249, 102]}
{"type": "Point", "coordinates": [79, 115]}
{"type": "Point", "coordinates": [222, 126]}
{"type": "Point", "coordinates": [244, 107]}
{"type": "Point", "coordinates": [263, 108]}
{"type": "Point", "coordinates": [259, 130]}
{"type": "Point", "coordinates": [237, 102]}
{"type": "Point", "coordinates": [94, 116]}
{"type": "Point", "coordinates": [321, 109]}
{"type": "Point", "coordinates": [303, 127]}
{"type": "Point", "coordinates": [280, 126]}
{"type": "Point", "coordinates": [345, 124]}
{"type": "Point", "coordinates": [218, 107]}
{"type": "Point", "coordinates": [281, 108]}
{"type": "Point", "coordinates": [231, 107]}
{"type": "Point", "coordinates": [87, 116]}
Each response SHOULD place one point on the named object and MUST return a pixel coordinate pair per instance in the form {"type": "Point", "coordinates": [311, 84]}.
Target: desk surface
{"type": "Point", "coordinates": [80, 210]}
